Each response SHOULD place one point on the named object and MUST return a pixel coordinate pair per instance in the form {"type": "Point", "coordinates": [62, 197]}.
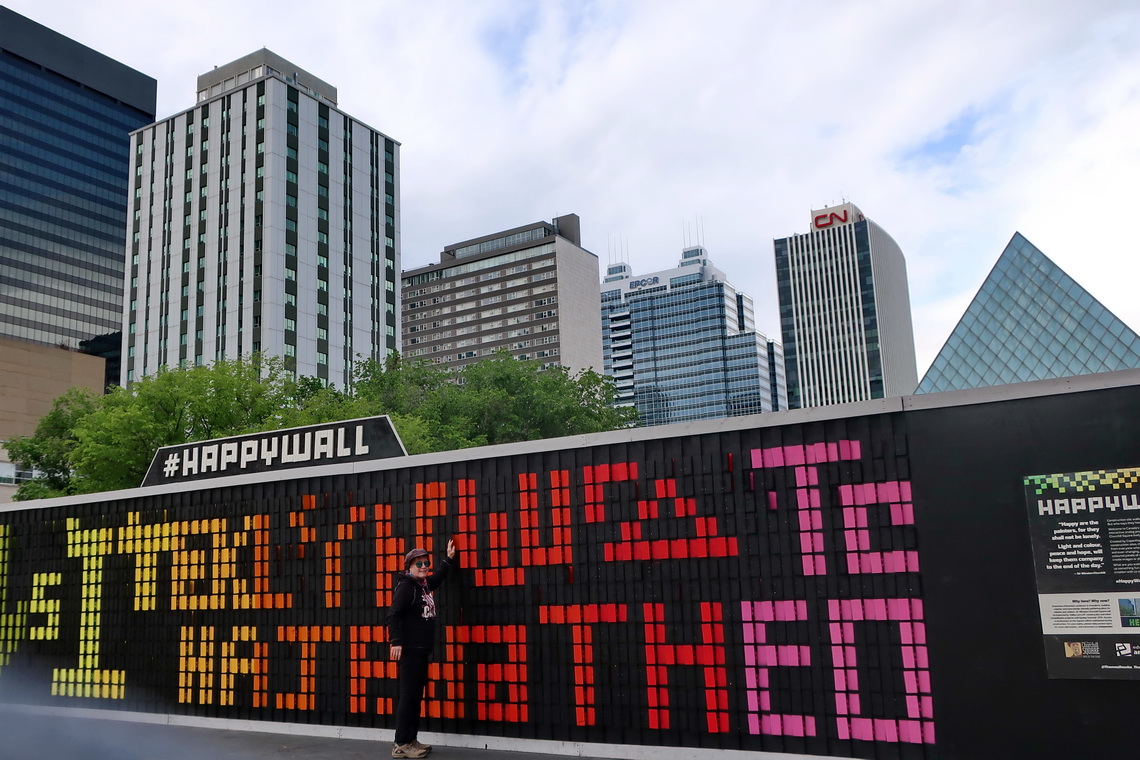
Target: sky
{"type": "Point", "coordinates": [665, 123]}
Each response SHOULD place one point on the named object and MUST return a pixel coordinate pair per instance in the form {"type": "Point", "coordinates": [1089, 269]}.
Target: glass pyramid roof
{"type": "Point", "coordinates": [1030, 321]}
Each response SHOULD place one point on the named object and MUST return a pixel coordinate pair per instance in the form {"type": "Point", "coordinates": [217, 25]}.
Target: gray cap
{"type": "Point", "coordinates": [412, 555]}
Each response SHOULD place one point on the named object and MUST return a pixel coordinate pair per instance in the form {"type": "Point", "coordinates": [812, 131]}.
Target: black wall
{"type": "Point", "coordinates": [992, 691]}
{"type": "Point", "coordinates": [677, 645]}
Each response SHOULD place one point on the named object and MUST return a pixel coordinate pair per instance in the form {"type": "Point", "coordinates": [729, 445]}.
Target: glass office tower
{"type": "Point", "coordinates": [681, 345]}
{"type": "Point", "coordinates": [1030, 321]}
{"type": "Point", "coordinates": [66, 113]}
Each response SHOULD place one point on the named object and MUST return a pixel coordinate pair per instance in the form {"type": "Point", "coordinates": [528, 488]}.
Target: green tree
{"type": "Point", "coordinates": [48, 450]}
{"type": "Point", "coordinates": [177, 405]}
{"type": "Point", "coordinates": [90, 443]}
{"type": "Point", "coordinates": [496, 400]}
{"type": "Point", "coordinates": [398, 385]}
{"type": "Point", "coordinates": [503, 400]}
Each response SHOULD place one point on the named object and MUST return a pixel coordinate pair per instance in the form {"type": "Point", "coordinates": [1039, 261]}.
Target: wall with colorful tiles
{"type": "Point", "coordinates": [825, 587]}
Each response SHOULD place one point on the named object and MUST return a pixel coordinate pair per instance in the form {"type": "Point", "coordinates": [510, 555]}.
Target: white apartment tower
{"type": "Point", "coordinates": [264, 219]}
{"type": "Point", "coordinates": [844, 311]}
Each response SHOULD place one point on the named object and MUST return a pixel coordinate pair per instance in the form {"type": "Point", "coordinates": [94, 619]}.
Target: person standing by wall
{"type": "Point", "coordinates": [411, 632]}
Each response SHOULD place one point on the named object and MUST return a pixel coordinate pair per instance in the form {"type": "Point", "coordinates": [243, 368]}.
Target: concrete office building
{"type": "Point", "coordinates": [264, 219]}
{"type": "Point", "coordinates": [66, 113]}
{"type": "Point", "coordinates": [1030, 321]}
{"type": "Point", "coordinates": [681, 344]}
{"type": "Point", "coordinates": [844, 311]}
{"type": "Point", "coordinates": [32, 376]}
{"type": "Point", "coordinates": [531, 290]}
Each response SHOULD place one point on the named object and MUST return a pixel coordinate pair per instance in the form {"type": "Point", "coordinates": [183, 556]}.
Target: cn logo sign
{"type": "Point", "coordinates": [821, 221]}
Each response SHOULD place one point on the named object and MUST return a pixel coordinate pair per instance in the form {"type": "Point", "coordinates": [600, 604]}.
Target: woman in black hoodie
{"type": "Point", "coordinates": [411, 632]}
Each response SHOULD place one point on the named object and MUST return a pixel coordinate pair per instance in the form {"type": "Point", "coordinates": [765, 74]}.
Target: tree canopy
{"type": "Point", "coordinates": [90, 443]}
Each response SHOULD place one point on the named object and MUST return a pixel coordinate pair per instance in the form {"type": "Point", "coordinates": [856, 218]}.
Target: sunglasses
{"type": "Point", "coordinates": [422, 564]}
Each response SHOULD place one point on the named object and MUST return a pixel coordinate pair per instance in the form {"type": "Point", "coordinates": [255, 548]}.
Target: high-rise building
{"type": "Point", "coordinates": [66, 113]}
{"type": "Point", "coordinates": [681, 344]}
{"type": "Point", "coordinates": [264, 219]}
{"type": "Point", "coordinates": [531, 290]}
{"type": "Point", "coordinates": [1030, 321]}
{"type": "Point", "coordinates": [844, 311]}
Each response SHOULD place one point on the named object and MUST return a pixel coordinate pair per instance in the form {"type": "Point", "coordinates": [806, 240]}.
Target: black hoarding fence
{"type": "Point", "coordinates": [800, 585]}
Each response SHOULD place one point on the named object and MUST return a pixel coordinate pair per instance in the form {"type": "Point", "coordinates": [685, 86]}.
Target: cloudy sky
{"type": "Point", "coordinates": [661, 123]}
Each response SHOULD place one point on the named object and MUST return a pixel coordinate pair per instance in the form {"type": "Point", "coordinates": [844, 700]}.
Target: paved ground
{"type": "Point", "coordinates": [31, 737]}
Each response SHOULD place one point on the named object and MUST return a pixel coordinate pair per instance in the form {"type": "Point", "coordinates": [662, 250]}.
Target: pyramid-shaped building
{"type": "Point", "coordinates": [1030, 321]}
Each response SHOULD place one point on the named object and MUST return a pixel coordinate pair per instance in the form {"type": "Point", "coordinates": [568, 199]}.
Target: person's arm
{"type": "Point", "coordinates": [436, 579]}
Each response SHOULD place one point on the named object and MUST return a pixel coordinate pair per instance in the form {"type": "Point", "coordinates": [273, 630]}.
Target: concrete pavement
{"type": "Point", "coordinates": [26, 735]}
{"type": "Point", "coordinates": [32, 733]}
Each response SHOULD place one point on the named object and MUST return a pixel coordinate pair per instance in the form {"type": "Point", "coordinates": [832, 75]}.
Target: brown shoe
{"type": "Point", "coordinates": [418, 745]}
{"type": "Point", "coordinates": [408, 750]}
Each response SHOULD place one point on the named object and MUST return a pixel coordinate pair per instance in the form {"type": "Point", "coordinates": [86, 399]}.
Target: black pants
{"type": "Point", "coordinates": [413, 669]}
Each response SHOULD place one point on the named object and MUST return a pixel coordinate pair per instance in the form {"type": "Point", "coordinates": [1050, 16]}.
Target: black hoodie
{"type": "Point", "coordinates": [406, 624]}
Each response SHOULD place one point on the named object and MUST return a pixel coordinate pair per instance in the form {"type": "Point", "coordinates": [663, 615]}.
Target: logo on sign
{"type": "Point", "coordinates": [643, 282]}
{"type": "Point", "coordinates": [820, 221]}
{"type": "Point", "coordinates": [348, 441]}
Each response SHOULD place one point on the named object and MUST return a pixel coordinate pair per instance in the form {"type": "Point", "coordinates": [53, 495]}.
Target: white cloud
{"type": "Point", "coordinates": [647, 117]}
